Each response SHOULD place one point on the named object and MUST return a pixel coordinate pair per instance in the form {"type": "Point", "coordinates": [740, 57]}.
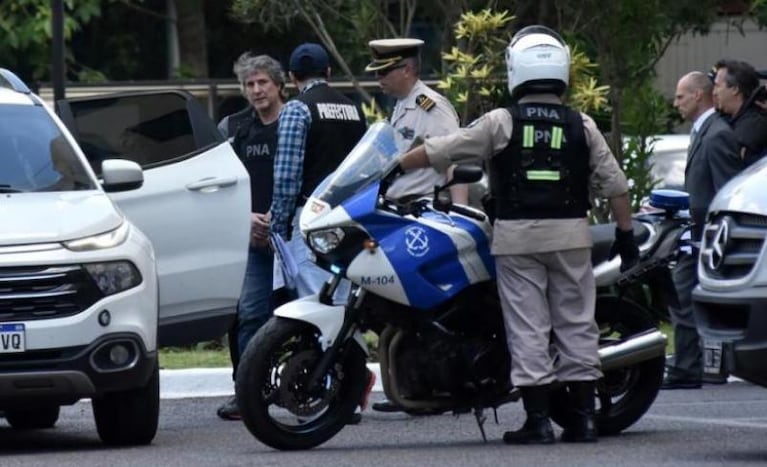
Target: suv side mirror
{"type": "Point", "coordinates": [121, 175]}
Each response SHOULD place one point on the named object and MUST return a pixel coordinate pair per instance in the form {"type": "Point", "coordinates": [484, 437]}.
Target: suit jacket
{"type": "Point", "coordinates": [712, 161]}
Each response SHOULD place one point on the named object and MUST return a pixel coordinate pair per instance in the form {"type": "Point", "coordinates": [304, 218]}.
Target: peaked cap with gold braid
{"type": "Point", "coordinates": [389, 52]}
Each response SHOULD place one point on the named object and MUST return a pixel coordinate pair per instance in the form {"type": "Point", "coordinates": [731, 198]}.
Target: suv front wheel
{"type": "Point", "coordinates": [129, 417]}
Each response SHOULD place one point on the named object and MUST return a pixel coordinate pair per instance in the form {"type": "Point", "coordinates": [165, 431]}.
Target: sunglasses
{"type": "Point", "coordinates": [386, 71]}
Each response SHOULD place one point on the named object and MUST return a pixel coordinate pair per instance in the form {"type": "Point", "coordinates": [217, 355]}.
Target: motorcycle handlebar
{"type": "Point", "coordinates": [468, 212]}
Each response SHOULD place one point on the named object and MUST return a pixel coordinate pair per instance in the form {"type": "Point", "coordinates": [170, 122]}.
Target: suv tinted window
{"type": "Point", "coordinates": [145, 129]}
{"type": "Point", "coordinates": [35, 155]}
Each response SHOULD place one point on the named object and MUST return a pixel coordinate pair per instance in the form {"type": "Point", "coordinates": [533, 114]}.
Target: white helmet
{"type": "Point", "coordinates": [537, 61]}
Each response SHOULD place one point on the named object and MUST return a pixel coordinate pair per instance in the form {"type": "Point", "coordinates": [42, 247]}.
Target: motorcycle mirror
{"type": "Point", "coordinates": [463, 174]}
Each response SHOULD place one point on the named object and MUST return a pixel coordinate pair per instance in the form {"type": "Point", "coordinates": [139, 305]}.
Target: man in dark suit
{"type": "Point", "coordinates": [712, 160]}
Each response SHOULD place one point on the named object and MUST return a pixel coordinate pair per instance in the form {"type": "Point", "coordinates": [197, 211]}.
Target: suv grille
{"type": "Point", "coordinates": [731, 245]}
{"type": "Point", "coordinates": [44, 292]}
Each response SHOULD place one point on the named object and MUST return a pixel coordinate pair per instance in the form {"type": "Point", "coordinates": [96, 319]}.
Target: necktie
{"type": "Point", "coordinates": [693, 135]}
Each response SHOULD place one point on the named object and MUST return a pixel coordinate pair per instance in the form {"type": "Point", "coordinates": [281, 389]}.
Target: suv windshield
{"type": "Point", "coordinates": [372, 158]}
{"type": "Point", "coordinates": [35, 155]}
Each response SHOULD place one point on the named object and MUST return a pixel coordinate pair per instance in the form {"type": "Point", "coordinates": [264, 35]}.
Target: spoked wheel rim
{"type": "Point", "coordinates": [287, 401]}
{"type": "Point", "coordinates": [274, 396]}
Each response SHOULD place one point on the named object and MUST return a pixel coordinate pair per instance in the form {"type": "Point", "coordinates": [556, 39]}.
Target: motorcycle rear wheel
{"type": "Point", "coordinates": [272, 392]}
{"type": "Point", "coordinates": [622, 395]}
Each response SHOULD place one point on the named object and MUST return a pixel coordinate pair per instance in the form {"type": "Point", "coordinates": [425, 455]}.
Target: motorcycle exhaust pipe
{"type": "Point", "coordinates": [645, 346]}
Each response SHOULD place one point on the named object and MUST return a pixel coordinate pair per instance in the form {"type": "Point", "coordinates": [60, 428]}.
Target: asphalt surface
{"type": "Point", "coordinates": [716, 425]}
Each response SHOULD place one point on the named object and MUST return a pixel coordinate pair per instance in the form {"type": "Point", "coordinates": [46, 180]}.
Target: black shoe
{"type": "Point", "coordinates": [581, 427]}
{"type": "Point", "coordinates": [714, 379]}
{"type": "Point", "coordinates": [675, 383]}
{"type": "Point", "coordinates": [229, 410]}
{"type": "Point", "coordinates": [355, 419]}
{"type": "Point", "coordinates": [387, 406]}
{"type": "Point", "coordinates": [536, 430]}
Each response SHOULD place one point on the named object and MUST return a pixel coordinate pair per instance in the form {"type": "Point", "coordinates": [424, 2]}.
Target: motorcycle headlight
{"type": "Point", "coordinates": [325, 241]}
{"type": "Point", "coordinates": [101, 241]}
{"type": "Point", "coordinates": [114, 276]}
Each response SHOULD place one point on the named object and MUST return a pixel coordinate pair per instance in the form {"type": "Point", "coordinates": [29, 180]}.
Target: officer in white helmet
{"type": "Point", "coordinates": [419, 113]}
{"type": "Point", "coordinates": [545, 161]}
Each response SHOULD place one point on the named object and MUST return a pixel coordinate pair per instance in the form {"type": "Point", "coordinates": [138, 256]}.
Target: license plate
{"type": "Point", "coordinates": [712, 357]}
{"type": "Point", "coordinates": [12, 338]}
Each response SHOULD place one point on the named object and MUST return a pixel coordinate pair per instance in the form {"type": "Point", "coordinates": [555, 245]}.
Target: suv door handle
{"type": "Point", "coordinates": [211, 184]}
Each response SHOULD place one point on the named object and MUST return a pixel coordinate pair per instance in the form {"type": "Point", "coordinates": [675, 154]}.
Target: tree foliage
{"type": "Point", "coordinates": [345, 26]}
{"type": "Point", "coordinates": [25, 32]}
{"type": "Point", "coordinates": [476, 80]}
{"type": "Point", "coordinates": [629, 37]}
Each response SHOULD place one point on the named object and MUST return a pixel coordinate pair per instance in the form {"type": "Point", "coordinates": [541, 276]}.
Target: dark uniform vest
{"type": "Point", "coordinates": [543, 173]}
{"type": "Point", "coordinates": [337, 125]}
{"type": "Point", "coordinates": [256, 145]}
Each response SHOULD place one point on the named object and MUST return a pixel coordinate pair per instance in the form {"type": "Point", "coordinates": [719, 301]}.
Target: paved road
{"type": "Point", "coordinates": [718, 425]}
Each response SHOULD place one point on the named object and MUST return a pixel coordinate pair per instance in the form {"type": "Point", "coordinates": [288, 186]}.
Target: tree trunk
{"type": "Point", "coordinates": [192, 41]}
{"type": "Point", "coordinates": [616, 135]}
{"type": "Point", "coordinates": [171, 35]}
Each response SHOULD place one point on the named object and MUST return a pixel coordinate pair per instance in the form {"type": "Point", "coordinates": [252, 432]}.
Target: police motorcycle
{"type": "Point", "coordinates": [423, 278]}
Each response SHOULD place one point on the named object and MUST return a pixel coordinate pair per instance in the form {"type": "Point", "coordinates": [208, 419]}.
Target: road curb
{"type": "Point", "coordinates": [214, 382]}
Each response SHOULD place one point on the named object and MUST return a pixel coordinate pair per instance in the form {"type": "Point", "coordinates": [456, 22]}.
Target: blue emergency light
{"type": "Point", "coordinates": [670, 200]}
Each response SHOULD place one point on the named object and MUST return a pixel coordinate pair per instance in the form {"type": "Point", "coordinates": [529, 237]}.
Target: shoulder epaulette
{"type": "Point", "coordinates": [425, 102]}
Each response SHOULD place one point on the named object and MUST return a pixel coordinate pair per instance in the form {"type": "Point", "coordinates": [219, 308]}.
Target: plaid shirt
{"type": "Point", "coordinates": [293, 127]}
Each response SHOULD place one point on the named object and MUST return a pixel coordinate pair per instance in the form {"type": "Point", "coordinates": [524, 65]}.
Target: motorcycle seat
{"type": "Point", "coordinates": [604, 234]}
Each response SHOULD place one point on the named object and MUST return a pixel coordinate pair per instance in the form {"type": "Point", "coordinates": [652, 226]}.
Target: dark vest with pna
{"type": "Point", "coordinates": [256, 145]}
{"type": "Point", "coordinates": [543, 173]}
{"type": "Point", "coordinates": [337, 125]}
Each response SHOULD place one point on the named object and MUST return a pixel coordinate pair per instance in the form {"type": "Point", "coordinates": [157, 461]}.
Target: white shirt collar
{"type": "Point", "coordinates": [702, 119]}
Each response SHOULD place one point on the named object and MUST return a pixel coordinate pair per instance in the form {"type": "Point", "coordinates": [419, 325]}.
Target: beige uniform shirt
{"type": "Point", "coordinates": [421, 121]}
{"type": "Point", "coordinates": [488, 136]}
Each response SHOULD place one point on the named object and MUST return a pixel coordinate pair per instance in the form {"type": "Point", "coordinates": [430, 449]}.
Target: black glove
{"type": "Point", "coordinates": [390, 177]}
{"type": "Point", "coordinates": [624, 245]}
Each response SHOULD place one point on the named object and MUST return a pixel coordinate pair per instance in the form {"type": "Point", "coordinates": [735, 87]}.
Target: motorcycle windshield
{"type": "Point", "coordinates": [371, 159]}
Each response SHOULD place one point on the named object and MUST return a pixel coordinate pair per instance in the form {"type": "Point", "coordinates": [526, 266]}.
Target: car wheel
{"type": "Point", "coordinates": [129, 417]}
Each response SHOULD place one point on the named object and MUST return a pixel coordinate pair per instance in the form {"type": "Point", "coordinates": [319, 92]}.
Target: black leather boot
{"type": "Point", "coordinates": [537, 428]}
{"type": "Point", "coordinates": [582, 427]}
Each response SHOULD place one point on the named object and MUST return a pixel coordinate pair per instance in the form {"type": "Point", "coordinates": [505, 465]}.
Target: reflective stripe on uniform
{"type": "Point", "coordinates": [548, 175]}
{"type": "Point", "coordinates": [527, 136]}
{"type": "Point", "coordinates": [556, 137]}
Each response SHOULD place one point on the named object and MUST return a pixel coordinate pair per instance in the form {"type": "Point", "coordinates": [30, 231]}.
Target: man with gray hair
{"type": "Point", "coordinates": [712, 160]}
{"type": "Point", "coordinates": [253, 134]}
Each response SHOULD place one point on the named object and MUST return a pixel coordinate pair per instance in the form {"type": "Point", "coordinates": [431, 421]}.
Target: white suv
{"type": "Point", "coordinates": [85, 296]}
{"type": "Point", "coordinates": [731, 300]}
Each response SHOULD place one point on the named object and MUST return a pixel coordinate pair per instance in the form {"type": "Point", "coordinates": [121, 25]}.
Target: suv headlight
{"type": "Point", "coordinates": [114, 276]}
{"type": "Point", "coordinates": [325, 241]}
{"type": "Point", "coordinates": [101, 241]}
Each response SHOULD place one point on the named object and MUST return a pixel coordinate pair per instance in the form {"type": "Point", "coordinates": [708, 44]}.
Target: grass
{"type": "Point", "coordinates": [174, 358]}
{"type": "Point", "coordinates": [214, 355]}
{"type": "Point", "coordinates": [668, 330]}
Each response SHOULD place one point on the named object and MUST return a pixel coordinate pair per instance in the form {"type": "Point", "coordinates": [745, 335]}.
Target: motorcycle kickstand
{"type": "Point", "coordinates": [479, 414]}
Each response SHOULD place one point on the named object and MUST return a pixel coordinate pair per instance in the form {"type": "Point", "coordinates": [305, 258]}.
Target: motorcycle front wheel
{"type": "Point", "coordinates": [622, 395]}
{"type": "Point", "coordinates": [273, 394]}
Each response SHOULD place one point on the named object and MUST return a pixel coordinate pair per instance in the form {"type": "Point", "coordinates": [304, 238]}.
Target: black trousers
{"type": "Point", "coordinates": [688, 361]}
{"type": "Point", "coordinates": [279, 297]}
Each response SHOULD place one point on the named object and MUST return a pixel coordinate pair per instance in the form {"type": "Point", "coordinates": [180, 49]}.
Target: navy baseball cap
{"type": "Point", "coordinates": [309, 57]}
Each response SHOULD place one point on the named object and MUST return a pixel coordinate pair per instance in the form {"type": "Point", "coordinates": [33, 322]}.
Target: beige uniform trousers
{"type": "Point", "coordinates": [548, 304]}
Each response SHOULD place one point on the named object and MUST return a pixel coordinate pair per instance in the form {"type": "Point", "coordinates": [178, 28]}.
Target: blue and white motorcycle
{"type": "Point", "coordinates": [423, 279]}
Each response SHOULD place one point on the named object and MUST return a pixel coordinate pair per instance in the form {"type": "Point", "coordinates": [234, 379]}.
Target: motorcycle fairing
{"type": "Point", "coordinates": [327, 319]}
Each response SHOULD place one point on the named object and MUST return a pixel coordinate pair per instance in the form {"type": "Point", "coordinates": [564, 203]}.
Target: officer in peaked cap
{"type": "Point", "coordinates": [419, 113]}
